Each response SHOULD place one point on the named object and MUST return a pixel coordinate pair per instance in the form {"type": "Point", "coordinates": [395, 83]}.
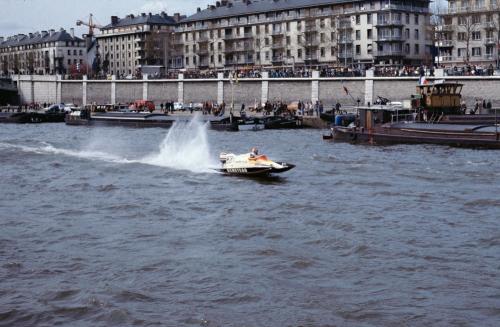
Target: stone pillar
{"type": "Point", "coordinates": [315, 86]}
{"type": "Point", "coordinates": [145, 86]}
{"type": "Point", "coordinates": [84, 90]}
{"type": "Point", "coordinates": [265, 87]}
{"type": "Point", "coordinates": [369, 87]}
{"type": "Point", "coordinates": [32, 89]}
{"type": "Point", "coordinates": [59, 89]}
{"type": "Point", "coordinates": [220, 88]}
{"type": "Point", "coordinates": [180, 89]}
{"type": "Point", "coordinates": [113, 89]}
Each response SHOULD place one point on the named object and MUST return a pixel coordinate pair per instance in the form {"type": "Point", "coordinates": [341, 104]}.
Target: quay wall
{"type": "Point", "coordinates": [51, 89]}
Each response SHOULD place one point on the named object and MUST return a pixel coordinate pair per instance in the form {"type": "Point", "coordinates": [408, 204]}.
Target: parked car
{"type": "Point", "coordinates": [179, 106]}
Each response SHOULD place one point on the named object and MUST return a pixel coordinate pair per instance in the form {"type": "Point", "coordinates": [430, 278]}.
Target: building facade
{"type": "Point", "coordinates": [129, 44]}
{"type": "Point", "coordinates": [306, 33]}
{"type": "Point", "coordinates": [46, 52]}
{"type": "Point", "coordinates": [469, 33]}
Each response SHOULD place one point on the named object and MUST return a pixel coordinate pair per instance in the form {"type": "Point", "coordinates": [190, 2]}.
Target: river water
{"type": "Point", "coordinates": [111, 226]}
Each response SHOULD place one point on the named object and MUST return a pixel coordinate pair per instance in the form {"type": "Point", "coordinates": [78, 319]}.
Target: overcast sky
{"type": "Point", "coordinates": [27, 16]}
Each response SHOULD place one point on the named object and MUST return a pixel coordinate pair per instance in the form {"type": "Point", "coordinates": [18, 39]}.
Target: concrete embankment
{"type": "Point", "coordinates": [249, 91]}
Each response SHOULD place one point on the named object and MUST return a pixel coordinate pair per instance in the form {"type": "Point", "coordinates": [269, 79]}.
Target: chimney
{"type": "Point", "coordinates": [163, 14]}
{"type": "Point", "coordinates": [62, 30]}
{"type": "Point", "coordinates": [217, 4]}
{"type": "Point", "coordinates": [51, 32]}
{"type": "Point", "coordinates": [143, 14]}
{"type": "Point", "coordinates": [30, 35]}
{"type": "Point", "coordinates": [114, 20]}
{"type": "Point", "coordinates": [177, 17]}
{"type": "Point", "coordinates": [198, 9]}
{"type": "Point", "coordinates": [72, 32]}
{"type": "Point", "coordinates": [1, 39]}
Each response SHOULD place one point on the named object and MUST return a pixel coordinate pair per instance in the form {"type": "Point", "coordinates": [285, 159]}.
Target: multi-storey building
{"type": "Point", "coordinates": [128, 44]}
{"type": "Point", "coordinates": [469, 33]}
{"type": "Point", "coordinates": [306, 32]}
{"type": "Point", "coordinates": [46, 52]}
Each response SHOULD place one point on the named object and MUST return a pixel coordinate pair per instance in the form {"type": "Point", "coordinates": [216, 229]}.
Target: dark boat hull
{"type": "Point", "coordinates": [117, 121]}
{"type": "Point", "coordinates": [388, 136]}
{"type": "Point", "coordinates": [32, 118]}
{"type": "Point", "coordinates": [256, 171]}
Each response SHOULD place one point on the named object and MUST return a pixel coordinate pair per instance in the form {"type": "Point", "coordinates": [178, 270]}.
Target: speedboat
{"type": "Point", "coordinates": [249, 164]}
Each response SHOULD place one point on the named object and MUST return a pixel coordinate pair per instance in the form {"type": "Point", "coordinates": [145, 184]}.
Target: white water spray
{"type": "Point", "coordinates": [185, 147]}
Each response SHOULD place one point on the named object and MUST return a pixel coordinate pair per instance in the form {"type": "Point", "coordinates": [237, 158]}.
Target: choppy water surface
{"type": "Point", "coordinates": [114, 226]}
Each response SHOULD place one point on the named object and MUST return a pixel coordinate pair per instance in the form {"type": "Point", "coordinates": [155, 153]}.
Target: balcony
{"type": "Point", "coordinates": [278, 45]}
{"type": "Point", "coordinates": [345, 40]}
{"type": "Point", "coordinates": [203, 39]}
{"type": "Point", "coordinates": [390, 38]}
{"type": "Point", "coordinates": [405, 8]}
{"type": "Point", "coordinates": [389, 53]}
{"type": "Point", "coordinates": [472, 9]}
{"type": "Point", "coordinates": [247, 47]}
{"type": "Point", "coordinates": [445, 28]}
{"type": "Point", "coordinates": [345, 54]}
{"type": "Point", "coordinates": [311, 43]}
{"type": "Point", "coordinates": [490, 25]}
{"type": "Point", "coordinates": [445, 43]}
{"type": "Point", "coordinates": [278, 32]}
{"type": "Point", "coordinates": [278, 59]}
{"type": "Point", "coordinates": [203, 51]}
{"type": "Point", "coordinates": [490, 41]}
{"type": "Point", "coordinates": [238, 37]}
{"type": "Point", "coordinates": [446, 59]}
{"type": "Point", "coordinates": [389, 22]}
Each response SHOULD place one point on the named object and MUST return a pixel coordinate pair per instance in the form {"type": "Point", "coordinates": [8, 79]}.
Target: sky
{"type": "Point", "coordinates": [28, 16]}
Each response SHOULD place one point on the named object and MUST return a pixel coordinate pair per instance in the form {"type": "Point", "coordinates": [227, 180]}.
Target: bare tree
{"type": "Point", "coordinates": [468, 26]}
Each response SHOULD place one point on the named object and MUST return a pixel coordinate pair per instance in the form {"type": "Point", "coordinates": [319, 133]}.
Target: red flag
{"type": "Point", "coordinates": [346, 90]}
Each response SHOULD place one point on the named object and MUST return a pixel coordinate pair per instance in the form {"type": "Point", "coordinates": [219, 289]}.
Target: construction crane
{"type": "Point", "coordinates": [90, 24]}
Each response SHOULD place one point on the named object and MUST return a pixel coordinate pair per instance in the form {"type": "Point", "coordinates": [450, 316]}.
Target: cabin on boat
{"type": "Point", "coordinates": [442, 97]}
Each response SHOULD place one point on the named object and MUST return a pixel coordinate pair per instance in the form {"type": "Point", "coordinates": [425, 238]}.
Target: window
{"type": "Point", "coordinates": [332, 51]}
{"type": "Point", "coordinates": [407, 19]}
{"type": "Point", "coordinates": [416, 34]}
{"type": "Point", "coordinates": [369, 34]}
{"type": "Point", "coordinates": [461, 36]}
{"type": "Point", "coordinates": [322, 37]}
{"type": "Point", "coordinates": [369, 18]}
{"type": "Point", "coordinates": [69, 52]}
{"type": "Point", "coordinates": [417, 49]}
{"type": "Point", "coordinates": [416, 19]}
{"type": "Point", "coordinates": [476, 36]}
{"type": "Point", "coordinates": [358, 35]}
{"type": "Point", "coordinates": [322, 52]}
{"type": "Point", "coordinates": [407, 33]}
{"type": "Point", "coordinates": [476, 52]}
{"type": "Point", "coordinates": [358, 19]}
{"type": "Point", "coordinates": [358, 49]}
{"type": "Point", "coordinates": [299, 53]}
{"type": "Point", "coordinates": [407, 48]}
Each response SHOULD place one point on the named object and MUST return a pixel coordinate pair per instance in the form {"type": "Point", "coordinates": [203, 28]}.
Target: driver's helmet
{"type": "Point", "coordinates": [255, 151]}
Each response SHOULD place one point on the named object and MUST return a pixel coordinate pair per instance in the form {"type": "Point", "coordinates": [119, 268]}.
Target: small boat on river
{"type": "Point", "coordinates": [130, 119]}
{"type": "Point", "coordinates": [251, 164]}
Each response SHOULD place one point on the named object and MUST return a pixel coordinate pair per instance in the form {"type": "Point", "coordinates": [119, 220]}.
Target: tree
{"type": "Point", "coordinates": [467, 25]}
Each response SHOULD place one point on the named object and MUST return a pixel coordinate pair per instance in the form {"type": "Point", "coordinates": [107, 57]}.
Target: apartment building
{"type": "Point", "coordinates": [306, 33]}
{"type": "Point", "coordinates": [129, 44]}
{"type": "Point", "coordinates": [469, 33]}
{"type": "Point", "coordinates": [45, 52]}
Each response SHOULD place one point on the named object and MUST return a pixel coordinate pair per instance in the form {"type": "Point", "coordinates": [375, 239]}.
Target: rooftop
{"type": "Point", "coordinates": [38, 37]}
{"type": "Point", "coordinates": [130, 20]}
{"type": "Point", "coordinates": [227, 8]}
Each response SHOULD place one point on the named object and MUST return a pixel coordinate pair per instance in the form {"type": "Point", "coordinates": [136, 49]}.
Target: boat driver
{"type": "Point", "coordinates": [254, 152]}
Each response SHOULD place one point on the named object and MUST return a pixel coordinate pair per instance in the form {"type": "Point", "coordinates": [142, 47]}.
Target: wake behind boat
{"type": "Point", "coordinates": [251, 164]}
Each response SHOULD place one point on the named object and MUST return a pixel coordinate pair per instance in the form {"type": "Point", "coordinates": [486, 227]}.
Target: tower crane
{"type": "Point", "coordinates": [90, 24]}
